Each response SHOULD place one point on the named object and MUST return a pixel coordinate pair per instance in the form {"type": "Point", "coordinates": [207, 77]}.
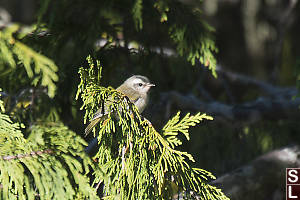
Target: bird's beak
{"type": "Point", "coordinates": [150, 85]}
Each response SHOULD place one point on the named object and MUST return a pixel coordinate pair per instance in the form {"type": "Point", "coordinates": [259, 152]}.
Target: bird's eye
{"type": "Point", "coordinates": [140, 84]}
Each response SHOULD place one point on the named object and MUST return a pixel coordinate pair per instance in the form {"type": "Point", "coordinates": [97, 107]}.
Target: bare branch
{"type": "Point", "coordinates": [263, 178]}
{"type": "Point", "coordinates": [269, 89]}
{"type": "Point", "coordinates": [250, 112]}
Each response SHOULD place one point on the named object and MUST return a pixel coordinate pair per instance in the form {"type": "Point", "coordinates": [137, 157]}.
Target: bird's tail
{"type": "Point", "coordinates": [91, 126]}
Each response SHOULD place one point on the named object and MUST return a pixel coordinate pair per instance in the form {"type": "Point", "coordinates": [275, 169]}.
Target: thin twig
{"type": "Point", "coordinates": [31, 154]}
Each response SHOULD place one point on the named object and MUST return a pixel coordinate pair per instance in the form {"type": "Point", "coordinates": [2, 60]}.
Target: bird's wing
{"type": "Point", "coordinates": [99, 113]}
{"type": "Point", "coordinates": [103, 110]}
{"type": "Point", "coordinates": [129, 92]}
{"type": "Point", "coordinates": [91, 126]}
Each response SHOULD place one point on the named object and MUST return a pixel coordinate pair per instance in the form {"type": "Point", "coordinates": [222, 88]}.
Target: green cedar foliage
{"type": "Point", "coordinates": [45, 165]}
{"type": "Point", "coordinates": [15, 55]}
{"type": "Point", "coordinates": [191, 35]}
{"type": "Point", "coordinates": [141, 162]}
{"type": "Point", "coordinates": [147, 24]}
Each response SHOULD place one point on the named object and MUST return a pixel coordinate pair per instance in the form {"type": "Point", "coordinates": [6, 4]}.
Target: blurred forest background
{"type": "Point", "coordinates": [253, 100]}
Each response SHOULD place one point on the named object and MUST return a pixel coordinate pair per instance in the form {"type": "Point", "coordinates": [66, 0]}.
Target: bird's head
{"type": "Point", "coordinates": [139, 84]}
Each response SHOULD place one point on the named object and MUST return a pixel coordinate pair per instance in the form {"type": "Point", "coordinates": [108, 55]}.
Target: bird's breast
{"type": "Point", "coordinates": [141, 103]}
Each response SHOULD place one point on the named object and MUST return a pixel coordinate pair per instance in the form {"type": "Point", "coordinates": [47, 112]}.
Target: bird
{"type": "Point", "coordinates": [136, 88]}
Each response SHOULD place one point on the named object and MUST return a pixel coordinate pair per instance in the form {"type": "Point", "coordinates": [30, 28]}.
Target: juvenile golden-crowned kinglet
{"type": "Point", "coordinates": [136, 89]}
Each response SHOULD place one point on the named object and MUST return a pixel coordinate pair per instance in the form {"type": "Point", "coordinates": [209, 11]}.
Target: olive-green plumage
{"type": "Point", "coordinates": [135, 88]}
{"type": "Point", "coordinates": [92, 124]}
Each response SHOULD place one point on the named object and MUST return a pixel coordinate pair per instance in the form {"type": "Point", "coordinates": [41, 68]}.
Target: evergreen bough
{"type": "Point", "coordinates": [45, 165]}
{"type": "Point", "coordinates": [141, 162]}
{"type": "Point", "coordinates": [15, 54]}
